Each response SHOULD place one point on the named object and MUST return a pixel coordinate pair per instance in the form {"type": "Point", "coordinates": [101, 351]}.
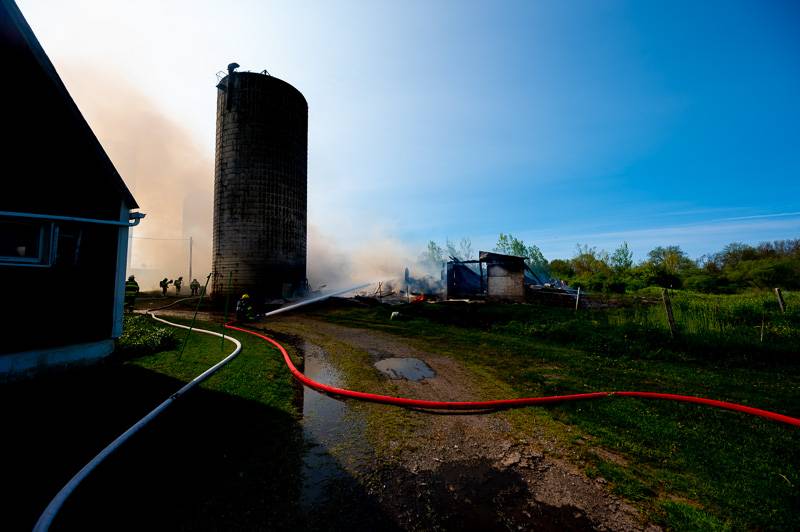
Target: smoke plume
{"type": "Point", "coordinates": [374, 258]}
{"type": "Point", "coordinates": [168, 174]}
{"type": "Point", "coordinates": [172, 180]}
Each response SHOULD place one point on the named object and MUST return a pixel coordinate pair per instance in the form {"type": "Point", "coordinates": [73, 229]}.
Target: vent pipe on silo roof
{"type": "Point", "coordinates": [229, 86]}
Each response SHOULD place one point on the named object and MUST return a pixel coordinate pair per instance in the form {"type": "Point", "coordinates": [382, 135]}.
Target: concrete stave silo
{"type": "Point", "coordinates": [260, 187]}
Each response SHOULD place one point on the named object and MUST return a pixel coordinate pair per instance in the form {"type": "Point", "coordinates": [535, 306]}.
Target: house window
{"type": "Point", "coordinates": [68, 247]}
{"type": "Point", "coordinates": [25, 243]}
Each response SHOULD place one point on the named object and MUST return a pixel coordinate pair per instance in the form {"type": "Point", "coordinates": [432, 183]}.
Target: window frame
{"type": "Point", "coordinates": [48, 237]}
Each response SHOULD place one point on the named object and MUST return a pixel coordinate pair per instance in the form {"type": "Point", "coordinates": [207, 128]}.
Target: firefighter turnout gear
{"type": "Point", "coordinates": [164, 284]}
{"type": "Point", "coordinates": [131, 291]}
{"type": "Point", "coordinates": [244, 309]}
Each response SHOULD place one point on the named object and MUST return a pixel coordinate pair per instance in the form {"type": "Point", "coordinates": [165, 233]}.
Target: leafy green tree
{"type": "Point", "coordinates": [769, 264]}
{"type": "Point", "coordinates": [671, 259]}
{"type": "Point", "coordinates": [461, 252]}
{"type": "Point", "coordinates": [510, 245]}
{"type": "Point", "coordinates": [736, 267]}
{"type": "Point", "coordinates": [433, 256]}
{"type": "Point", "coordinates": [622, 258]}
{"type": "Point", "coordinates": [592, 270]}
{"type": "Point", "coordinates": [588, 260]}
{"type": "Point", "coordinates": [562, 269]}
{"type": "Point", "coordinates": [733, 254]}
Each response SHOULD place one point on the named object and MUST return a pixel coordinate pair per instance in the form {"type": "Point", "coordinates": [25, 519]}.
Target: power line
{"type": "Point", "coordinates": [156, 238]}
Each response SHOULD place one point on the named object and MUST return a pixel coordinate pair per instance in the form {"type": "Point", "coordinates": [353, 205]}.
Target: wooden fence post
{"type": "Point", "coordinates": [668, 309]}
{"type": "Point", "coordinates": [781, 303]}
{"type": "Point", "coordinates": [578, 299]}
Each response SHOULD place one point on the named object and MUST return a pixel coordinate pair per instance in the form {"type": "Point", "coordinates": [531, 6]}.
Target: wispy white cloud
{"type": "Point", "coordinates": [759, 216]}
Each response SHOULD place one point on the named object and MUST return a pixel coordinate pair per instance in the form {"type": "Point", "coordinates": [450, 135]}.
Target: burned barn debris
{"type": "Point", "coordinates": [493, 277]}
{"type": "Point", "coordinates": [498, 277]}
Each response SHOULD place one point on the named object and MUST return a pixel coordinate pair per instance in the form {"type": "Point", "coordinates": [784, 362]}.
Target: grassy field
{"type": "Point", "coordinates": [226, 456]}
{"type": "Point", "coordinates": [689, 467]}
{"type": "Point", "coordinates": [720, 326]}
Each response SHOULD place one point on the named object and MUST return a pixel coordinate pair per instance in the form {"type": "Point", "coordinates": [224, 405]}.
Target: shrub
{"type": "Point", "coordinates": [142, 336]}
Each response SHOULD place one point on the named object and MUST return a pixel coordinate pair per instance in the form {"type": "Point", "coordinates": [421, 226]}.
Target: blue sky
{"type": "Point", "coordinates": [657, 123]}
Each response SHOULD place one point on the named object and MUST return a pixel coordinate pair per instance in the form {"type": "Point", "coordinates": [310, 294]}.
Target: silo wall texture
{"type": "Point", "coordinates": [260, 188]}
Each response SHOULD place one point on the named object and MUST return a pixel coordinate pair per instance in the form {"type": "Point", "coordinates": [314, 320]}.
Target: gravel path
{"type": "Point", "coordinates": [468, 471]}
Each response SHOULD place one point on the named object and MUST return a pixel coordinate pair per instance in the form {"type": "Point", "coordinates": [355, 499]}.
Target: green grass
{"type": "Point", "coordinates": [737, 469]}
{"type": "Point", "coordinates": [681, 516]}
{"type": "Point", "coordinates": [225, 456]}
{"type": "Point", "coordinates": [257, 374]}
{"type": "Point", "coordinates": [719, 325]}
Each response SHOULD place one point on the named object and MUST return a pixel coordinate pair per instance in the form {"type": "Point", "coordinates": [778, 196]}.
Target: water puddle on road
{"type": "Point", "coordinates": [412, 369]}
{"type": "Point", "coordinates": [328, 425]}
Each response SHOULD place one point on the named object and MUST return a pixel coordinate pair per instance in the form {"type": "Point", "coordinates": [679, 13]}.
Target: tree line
{"type": "Point", "coordinates": [735, 268]}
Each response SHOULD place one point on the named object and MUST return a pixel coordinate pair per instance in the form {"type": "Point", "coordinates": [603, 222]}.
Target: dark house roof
{"type": "Point", "coordinates": [59, 165]}
{"type": "Point", "coordinates": [498, 258]}
{"type": "Point", "coordinates": [514, 262]}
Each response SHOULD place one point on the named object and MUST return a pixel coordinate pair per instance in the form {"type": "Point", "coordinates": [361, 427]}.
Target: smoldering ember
{"type": "Point", "coordinates": [239, 298]}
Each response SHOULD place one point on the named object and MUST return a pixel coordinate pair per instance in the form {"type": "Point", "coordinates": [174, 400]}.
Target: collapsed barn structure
{"type": "Point", "coordinates": [498, 277]}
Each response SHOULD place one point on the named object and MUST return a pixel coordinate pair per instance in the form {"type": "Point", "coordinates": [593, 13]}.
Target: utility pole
{"type": "Point", "coordinates": [190, 259]}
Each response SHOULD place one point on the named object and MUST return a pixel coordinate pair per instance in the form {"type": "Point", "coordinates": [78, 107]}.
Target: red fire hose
{"type": "Point", "coordinates": [506, 403]}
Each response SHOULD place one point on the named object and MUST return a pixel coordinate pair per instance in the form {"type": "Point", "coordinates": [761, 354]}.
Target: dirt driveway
{"type": "Point", "coordinates": [445, 472]}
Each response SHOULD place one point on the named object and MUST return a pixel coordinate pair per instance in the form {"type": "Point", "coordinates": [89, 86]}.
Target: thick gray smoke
{"type": "Point", "coordinates": [168, 174]}
{"type": "Point", "coordinates": [372, 259]}
{"type": "Point", "coordinates": [172, 180]}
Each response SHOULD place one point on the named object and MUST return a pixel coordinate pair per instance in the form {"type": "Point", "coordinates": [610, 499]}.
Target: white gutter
{"type": "Point", "coordinates": [134, 218]}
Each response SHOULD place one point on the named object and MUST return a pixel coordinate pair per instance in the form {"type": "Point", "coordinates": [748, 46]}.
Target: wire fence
{"type": "Point", "coordinates": [754, 320]}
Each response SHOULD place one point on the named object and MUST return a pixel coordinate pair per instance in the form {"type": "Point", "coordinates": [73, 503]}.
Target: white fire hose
{"type": "Point", "coordinates": [46, 519]}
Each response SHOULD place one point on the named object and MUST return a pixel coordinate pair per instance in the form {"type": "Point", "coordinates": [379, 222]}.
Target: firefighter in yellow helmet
{"type": "Point", "coordinates": [244, 309]}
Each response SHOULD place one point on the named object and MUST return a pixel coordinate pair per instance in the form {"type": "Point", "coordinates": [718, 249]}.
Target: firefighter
{"type": "Point", "coordinates": [131, 291]}
{"type": "Point", "coordinates": [244, 309]}
{"type": "Point", "coordinates": [195, 287]}
{"type": "Point", "coordinates": [178, 283]}
{"type": "Point", "coordinates": [164, 284]}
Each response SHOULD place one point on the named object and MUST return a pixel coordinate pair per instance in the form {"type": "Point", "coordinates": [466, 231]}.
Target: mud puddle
{"type": "Point", "coordinates": [330, 430]}
{"type": "Point", "coordinates": [412, 369]}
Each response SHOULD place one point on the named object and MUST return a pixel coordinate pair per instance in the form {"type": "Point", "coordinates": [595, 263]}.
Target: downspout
{"type": "Point", "coordinates": [127, 220]}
